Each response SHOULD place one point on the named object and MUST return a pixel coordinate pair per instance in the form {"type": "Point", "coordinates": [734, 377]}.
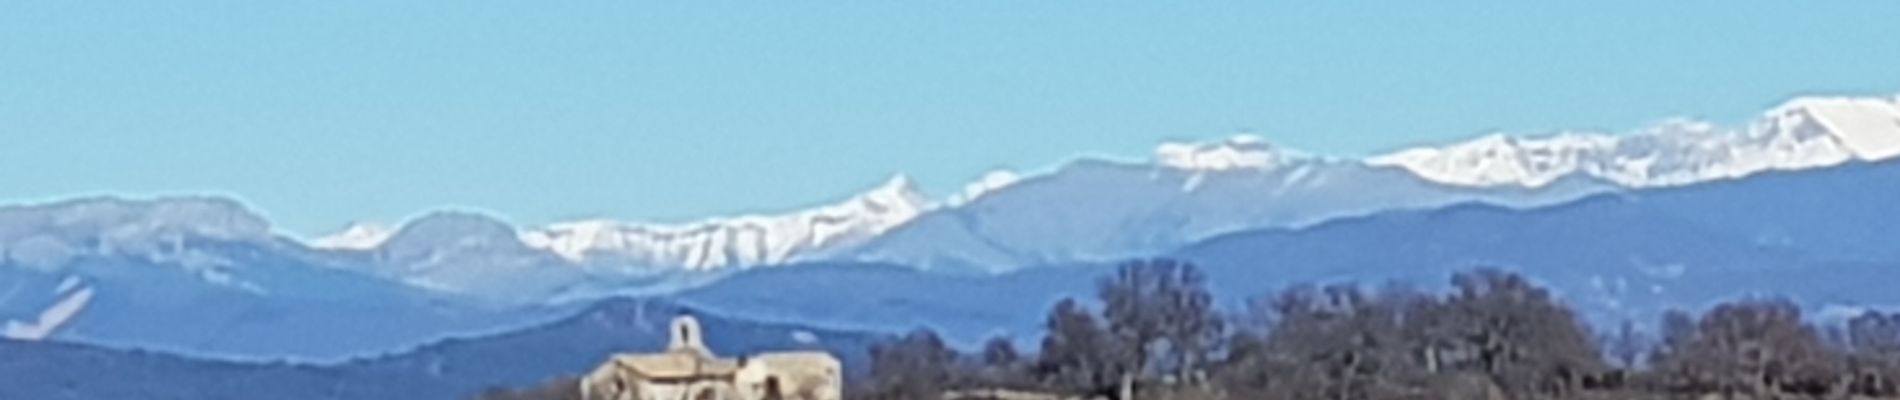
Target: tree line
{"type": "Point", "coordinates": [1154, 333]}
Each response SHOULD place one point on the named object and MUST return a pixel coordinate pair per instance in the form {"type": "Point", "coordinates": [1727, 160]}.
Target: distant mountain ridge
{"type": "Point", "coordinates": [45, 236]}
{"type": "Point", "coordinates": [1095, 210]}
{"type": "Point", "coordinates": [208, 276]}
{"type": "Point", "coordinates": [1820, 237]}
{"type": "Point", "coordinates": [1801, 134]}
{"type": "Point", "coordinates": [1087, 210]}
{"type": "Point", "coordinates": [709, 244]}
{"type": "Point", "coordinates": [1265, 186]}
{"type": "Point", "coordinates": [451, 369]}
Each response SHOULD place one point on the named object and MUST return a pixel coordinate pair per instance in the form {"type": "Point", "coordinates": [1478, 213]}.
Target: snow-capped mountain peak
{"type": "Point", "coordinates": [1499, 159]}
{"type": "Point", "coordinates": [899, 196]}
{"type": "Point", "coordinates": [1804, 133]}
{"type": "Point", "coordinates": [1869, 128]}
{"type": "Point", "coordinates": [1243, 151]}
{"type": "Point", "coordinates": [735, 241]}
{"type": "Point", "coordinates": [739, 241]}
{"type": "Point", "coordinates": [990, 182]}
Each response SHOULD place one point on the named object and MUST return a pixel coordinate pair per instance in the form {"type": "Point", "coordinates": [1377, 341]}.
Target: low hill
{"type": "Point", "coordinates": [452, 369]}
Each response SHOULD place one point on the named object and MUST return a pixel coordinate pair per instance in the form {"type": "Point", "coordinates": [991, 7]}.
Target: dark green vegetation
{"type": "Point", "coordinates": [1493, 335]}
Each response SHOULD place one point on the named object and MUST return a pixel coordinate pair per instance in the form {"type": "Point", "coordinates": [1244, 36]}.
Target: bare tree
{"type": "Point", "coordinates": [1002, 365]}
{"type": "Point", "coordinates": [1162, 310]}
{"type": "Point", "coordinates": [1875, 334]}
{"type": "Point", "coordinates": [1332, 343]}
{"type": "Point", "coordinates": [1874, 340]}
{"type": "Point", "coordinates": [1335, 342]}
{"type": "Point", "coordinates": [917, 366]}
{"type": "Point", "coordinates": [1627, 346]}
{"type": "Point", "coordinates": [1078, 354]}
{"type": "Point", "coordinates": [999, 352]}
{"type": "Point", "coordinates": [1753, 347]}
{"type": "Point", "coordinates": [1502, 326]}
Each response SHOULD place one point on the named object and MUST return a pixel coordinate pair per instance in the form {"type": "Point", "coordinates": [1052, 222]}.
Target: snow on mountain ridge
{"type": "Point", "coordinates": [1868, 127]}
{"type": "Point", "coordinates": [734, 241]}
{"type": "Point", "coordinates": [715, 243]}
{"type": "Point", "coordinates": [1804, 133]}
{"type": "Point", "coordinates": [205, 216]}
{"type": "Point", "coordinates": [1237, 152]}
{"type": "Point", "coordinates": [356, 236]}
{"type": "Point", "coordinates": [990, 182]}
{"type": "Point", "coordinates": [48, 236]}
{"type": "Point", "coordinates": [1498, 159]}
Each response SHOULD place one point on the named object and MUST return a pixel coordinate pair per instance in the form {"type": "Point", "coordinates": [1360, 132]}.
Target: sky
{"type": "Point", "coordinates": [318, 113]}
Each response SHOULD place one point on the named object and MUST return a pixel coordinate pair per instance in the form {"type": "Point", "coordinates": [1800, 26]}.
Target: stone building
{"type": "Point", "coordinates": [687, 370]}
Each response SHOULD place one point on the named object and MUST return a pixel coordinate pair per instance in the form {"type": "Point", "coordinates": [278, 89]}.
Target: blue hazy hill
{"type": "Point", "coordinates": [450, 369]}
{"type": "Point", "coordinates": [1097, 209]}
{"type": "Point", "coordinates": [1818, 236]}
{"type": "Point", "coordinates": [265, 306]}
{"type": "Point", "coordinates": [879, 297]}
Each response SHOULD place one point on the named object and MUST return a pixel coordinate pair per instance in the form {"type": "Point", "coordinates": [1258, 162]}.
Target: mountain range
{"type": "Point", "coordinates": [1630, 222]}
{"type": "Point", "coordinates": [1820, 237]}
{"type": "Point", "coordinates": [202, 276]}
{"type": "Point", "coordinates": [1191, 191]}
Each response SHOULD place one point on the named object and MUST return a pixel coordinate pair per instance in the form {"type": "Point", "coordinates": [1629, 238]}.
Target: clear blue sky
{"type": "Point", "coordinates": [322, 112]}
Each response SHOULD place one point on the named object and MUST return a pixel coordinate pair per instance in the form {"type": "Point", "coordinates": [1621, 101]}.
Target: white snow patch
{"type": "Point", "coordinates": [741, 241]}
{"type": "Point", "coordinates": [804, 337]}
{"type": "Point", "coordinates": [1295, 178]}
{"type": "Point", "coordinates": [50, 320]}
{"type": "Point", "coordinates": [357, 236]}
{"type": "Point", "coordinates": [1498, 159]}
{"type": "Point", "coordinates": [1868, 127]}
{"type": "Point", "coordinates": [1192, 182]}
{"type": "Point", "coordinates": [67, 285]}
{"type": "Point", "coordinates": [1804, 133]}
{"type": "Point", "coordinates": [224, 278]}
{"type": "Point", "coordinates": [990, 182]}
{"type": "Point", "coordinates": [1237, 152]}
{"type": "Point", "coordinates": [433, 285]}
